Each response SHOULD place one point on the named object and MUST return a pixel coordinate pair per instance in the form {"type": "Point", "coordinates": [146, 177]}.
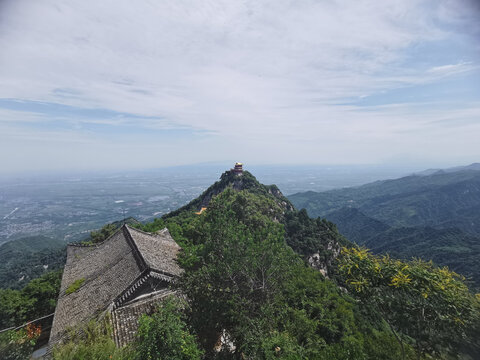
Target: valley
{"type": "Point", "coordinates": [69, 206]}
{"type": "Point", "coordinates": [431, 215]}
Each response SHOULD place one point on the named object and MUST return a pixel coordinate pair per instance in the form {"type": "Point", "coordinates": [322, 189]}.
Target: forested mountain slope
{"type": "Point", "coordinates": [439, 200]}
{"type": "Point", "coordinates": [250, 277]}
{"type": "Point", "coordinates": [27, 258]}
{"type": "Point", "coordinates": [451, 247]}
{"type": "Point", "coordinates": [433, 216]}
{"type": "Point", "coordinates": [229, 179]}
{"type": "Point", "coordinates": [316, 239]}
{"type": "Point", "coordinates": [242, 280]}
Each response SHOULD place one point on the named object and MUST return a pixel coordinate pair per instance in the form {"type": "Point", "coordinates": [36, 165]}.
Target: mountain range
{"type": "Point", "coordinates": [433, 215]}
{"type": "Point", "coordinates": [278, 283]}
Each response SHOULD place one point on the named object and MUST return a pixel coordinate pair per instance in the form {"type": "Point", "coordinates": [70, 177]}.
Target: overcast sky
{"type": "Point", "coordinates": [132, 84]}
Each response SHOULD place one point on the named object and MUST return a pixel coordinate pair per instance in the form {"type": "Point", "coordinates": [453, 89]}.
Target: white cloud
{"type": "Point", "coordinates": [451, 69]}
{"type": "Point", "coordinates": [263, 74]}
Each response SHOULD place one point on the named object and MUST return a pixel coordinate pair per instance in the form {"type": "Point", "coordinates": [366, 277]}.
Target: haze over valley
{"type": "Point", "coordinates": [68, 206]}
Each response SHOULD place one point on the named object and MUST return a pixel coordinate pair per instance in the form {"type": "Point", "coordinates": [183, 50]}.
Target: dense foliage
{"type": "Point", "coordinates": [93, 341]}
{"type": "Point", "coordinates": [244, 283]}
{"type": "Point", "coordinates": [304, 234]}
{"type": "Point", "coordinates": [229, 180]}
{"type": "Point", "coordinates": [162, 336]}
{"type": "Point", "coordinates": [434, 217]}
{"type": "Point", "coordinates": [307, 236]}
{"type": "Point", "coordinates": [36, 299]}
{"type": "Point", "coordinates": [450, 247]}
{"type": "Point", "coordinates": [18, 344]}
{"type": "Point", "coordinates": [249, 293]}
{"type": "Point", "coordinates": [423, 304]}
{"type": "Point", "coordinates": [165, 335]}
{"type": "Point", "coordinates": [28, 258]}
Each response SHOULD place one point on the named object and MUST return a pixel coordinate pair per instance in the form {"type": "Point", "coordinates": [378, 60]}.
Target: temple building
{"type": "Point", "coordinates": [125, 276]}
{"type": "Point", "coordinates": [238, 169]}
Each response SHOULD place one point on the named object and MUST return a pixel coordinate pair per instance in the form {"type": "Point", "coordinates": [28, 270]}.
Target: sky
{"type": "Point", "coordinates": [144, 84]}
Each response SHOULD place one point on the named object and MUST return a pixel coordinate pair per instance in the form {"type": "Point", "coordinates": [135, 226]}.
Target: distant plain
{"type": "Point", "coordinates": [68, 206]}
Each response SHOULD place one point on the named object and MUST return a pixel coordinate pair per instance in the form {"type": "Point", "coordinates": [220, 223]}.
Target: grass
{"type": "Point", "coordinates": [74, 286]}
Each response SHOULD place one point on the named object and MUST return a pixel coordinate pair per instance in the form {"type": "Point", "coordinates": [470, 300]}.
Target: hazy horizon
{"type": "Point", "coordinates": [395, 169]}
{"type": "Point", "coordinates": [68, 205]}
{"type": "Point", "coordinates": [115, 85]}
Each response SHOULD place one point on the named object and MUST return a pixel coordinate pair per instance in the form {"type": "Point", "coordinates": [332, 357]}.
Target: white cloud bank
{"type": "Point", "coordinates": [261, 81]}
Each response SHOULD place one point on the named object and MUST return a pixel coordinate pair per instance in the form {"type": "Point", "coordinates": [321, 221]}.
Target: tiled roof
{"type": "Point", "coordinates": [125, 319]}
{"type": "Point", "coordinates": [159, 250]}
{"type": "Point", "coordinates": [106, 270]}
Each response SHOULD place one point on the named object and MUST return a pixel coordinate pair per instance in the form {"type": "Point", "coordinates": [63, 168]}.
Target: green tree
{"type": "Point", "coordinates": [13, 308]}
{"type": "Point", "coordinates": [91, 341]}
{"type": "Point", "coordinates": [36, 299]}
{"type": "Point", "coordinates": [104, 233]}
{"type": "Point", "coordinates": [42, 293]}
{"type": "Point", "coordinates": [165, 335]}
{"type": "Point", "coordinates": [243, 282]}
{"type": "Point", "coordinates": [236, 265]}
{"type": "Point", "coordinates": [18, 344]}
{"type": "Point", "coordinates": [419, 301]}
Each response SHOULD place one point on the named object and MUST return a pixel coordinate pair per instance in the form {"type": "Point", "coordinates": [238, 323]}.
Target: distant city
{"type": "Point", "coordinates": [69, 206]}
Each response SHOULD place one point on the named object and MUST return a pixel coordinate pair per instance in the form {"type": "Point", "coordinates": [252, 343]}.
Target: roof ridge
{"type": "Point", "coordinates": [95, 244]}
{"type": "Point", "coordinates": [79, 244]}
{"type": "Point", "coordinates": [143, 232]}
{"type": "Point", "coordinates": [99, 245]}
{"type": "Point", "coordinates": [163, 234]}
{"type": "Point", "coordinates": [142, 264]}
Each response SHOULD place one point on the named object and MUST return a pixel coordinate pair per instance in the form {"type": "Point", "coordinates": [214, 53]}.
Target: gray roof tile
{"type": "Point", "coordinates": [108, 269]}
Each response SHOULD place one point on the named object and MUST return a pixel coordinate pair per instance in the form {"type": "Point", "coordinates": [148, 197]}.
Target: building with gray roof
{"type": "Point", "coordinates": [126, 275]}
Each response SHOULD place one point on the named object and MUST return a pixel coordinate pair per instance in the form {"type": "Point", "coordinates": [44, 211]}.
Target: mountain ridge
{"type": "Point", "coordinates": [244, 181]}
{"type": "Point", "coordinates": [433, 217]}
{"type": "Point", "coordinates": [408, 201]}
{"type": "Point", "coordinates": [317, 240]}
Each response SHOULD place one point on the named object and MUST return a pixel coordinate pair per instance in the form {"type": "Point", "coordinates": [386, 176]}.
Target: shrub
{"type": "Point", "coordinates": [94, 341]}
{"type": "Point", "coordinates": [18, 345]}
{"type": "Point", "coordinates": [165, 335]}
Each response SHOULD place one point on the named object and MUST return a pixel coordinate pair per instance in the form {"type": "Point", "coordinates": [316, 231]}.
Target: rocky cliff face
{"type": "Point", "coordinates": [321, 264]}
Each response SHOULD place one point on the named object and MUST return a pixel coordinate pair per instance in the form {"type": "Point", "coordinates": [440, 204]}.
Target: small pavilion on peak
{"type": "Point", "coordinates": [238, 169]}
